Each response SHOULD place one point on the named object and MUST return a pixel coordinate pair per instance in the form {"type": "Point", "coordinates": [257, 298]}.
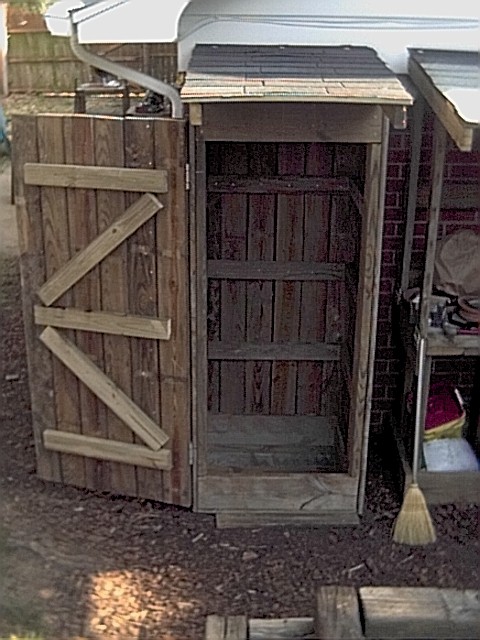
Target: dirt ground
{"type": "Point", "coordinates": [77, 564]}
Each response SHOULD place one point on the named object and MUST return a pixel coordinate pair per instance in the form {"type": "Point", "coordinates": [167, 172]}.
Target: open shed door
{"type": "Point", "coordinates": [101, 210]}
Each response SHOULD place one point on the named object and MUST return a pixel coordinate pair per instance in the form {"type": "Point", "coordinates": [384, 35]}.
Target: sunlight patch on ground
{"type": "Point", "coordinates": [122, 603]}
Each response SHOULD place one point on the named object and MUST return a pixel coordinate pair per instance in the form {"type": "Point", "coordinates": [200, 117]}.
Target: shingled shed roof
{"type": "Point", "coordinates": [250, 73]}
{"type": "Point", "coordinates": [450, 83]}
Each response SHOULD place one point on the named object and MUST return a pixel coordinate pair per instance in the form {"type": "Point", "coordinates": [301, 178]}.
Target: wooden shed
{"type": "Point", "coordinates": [213, 288]}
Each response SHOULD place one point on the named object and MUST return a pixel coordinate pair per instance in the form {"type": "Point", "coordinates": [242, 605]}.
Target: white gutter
{"type": "Point", "coordinates": [126, 73]}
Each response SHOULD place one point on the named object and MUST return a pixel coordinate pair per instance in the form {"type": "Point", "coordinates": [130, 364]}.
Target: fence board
{"type": "Point", "coordinates": [173, 302]}
{"type": "Point", "coordinates": [289, 246]}
{"type": "Point", "coordinates": [142, 297]}
{"type": "Point", "coordinates": [109, 151]}
{"type": "Point", "coordinates": [83, 228]}
{"type": "Point", "coordinates": [38, 61]}
{"type": "Point", "coordinates": [33, 268]}
{"type": "Point", "coordinates": [50, 142]}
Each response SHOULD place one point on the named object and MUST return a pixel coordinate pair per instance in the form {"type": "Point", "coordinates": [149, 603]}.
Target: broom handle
{"type": "Point", "coordinates": [418, 409]}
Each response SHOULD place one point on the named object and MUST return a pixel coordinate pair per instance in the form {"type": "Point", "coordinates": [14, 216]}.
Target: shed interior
{"type": "Point", "coordinates": [282, 265]}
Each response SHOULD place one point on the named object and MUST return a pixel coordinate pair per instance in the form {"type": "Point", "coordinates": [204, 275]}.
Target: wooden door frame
{"type": "Point", "coordinates": [350, 485]}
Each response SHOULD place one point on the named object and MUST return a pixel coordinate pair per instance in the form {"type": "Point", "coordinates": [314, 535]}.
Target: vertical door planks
{"type": "Point", "coordinates": [172, 302]}
{"type": "Point", "coordinates": [233, 302]}
{"type": "Point", "coordinates": [142, 294]}
{"type": "Point", "coordinates": [289, 246]}
{"type": "Point", "coordinates": [260, 246]}
{"type": "Point", "coordinates": [86, 293]}
{"type": "Point", "coordinates": [109, 151]}
{"type": "Point", "coordinates": [57, 253]}
{"type": "Point", "coordinates": [33, 272]}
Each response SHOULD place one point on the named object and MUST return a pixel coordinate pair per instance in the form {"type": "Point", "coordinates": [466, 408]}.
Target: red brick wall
{"type": "Point", "coordinates": [388, 365]}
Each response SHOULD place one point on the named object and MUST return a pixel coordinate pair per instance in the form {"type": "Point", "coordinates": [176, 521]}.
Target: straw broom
{"type": "Point", "coordinates": [414, 525]}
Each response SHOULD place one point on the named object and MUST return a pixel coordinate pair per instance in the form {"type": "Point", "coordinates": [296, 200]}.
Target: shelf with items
{"type": "Point", "coordinates": [425, 320]}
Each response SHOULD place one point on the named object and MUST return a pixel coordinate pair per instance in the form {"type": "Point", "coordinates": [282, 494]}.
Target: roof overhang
{"type": "Point", "coordinates": [449, 81]}
{"type": "Point", "coordinates": [115, 21]}
{"type": "Point", "coordinates": [269, 73]}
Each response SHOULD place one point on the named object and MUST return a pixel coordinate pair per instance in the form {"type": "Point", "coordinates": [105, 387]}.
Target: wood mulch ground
{"type": "Point", "coordinates": [77, 564]}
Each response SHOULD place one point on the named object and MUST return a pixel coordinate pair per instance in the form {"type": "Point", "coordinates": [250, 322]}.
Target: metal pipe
{"type": "Point", "coordinates": [126, 73]}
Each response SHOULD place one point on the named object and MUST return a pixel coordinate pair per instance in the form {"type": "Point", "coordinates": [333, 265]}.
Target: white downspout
{"type": "Point", "coordinates": [126, 73]}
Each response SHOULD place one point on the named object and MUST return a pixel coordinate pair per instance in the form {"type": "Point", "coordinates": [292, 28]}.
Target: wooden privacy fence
{"type": "Point", "coordinates": [102, 233]}
{"type": "Point", "coordinates": [40, 62]}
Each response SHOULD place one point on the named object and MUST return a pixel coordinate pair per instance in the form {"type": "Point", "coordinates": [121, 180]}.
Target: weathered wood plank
{"type": "Point", "coordinates": [365, 303]}
{"type": "Point", "coordinates": [277, 351]}
{"type": "Point", "coordinates": [438, 169]}
{"type": "Point", "coordinates": [445, 487]}
{"type": "Point", "coordinates": [104, 388]}
{"type": "Point", "coordinates": [461, 132]}
{"type": "Point", "coordinates": [173, 301]}
{"type": "Point", "coordinates": [337, 614]}
{"type": "Point", "coordinates": [260, 248]}
{"type": "Point", "coordinates": [281, 629]}
{"type": "Point", "coordinates": [284, 492]}
{"type": "Point", "coordinates": [461, 195]}
{"type": "Point", "coordinates": [250, 519]}
{"type": "Point", "coordinates": [102, 449]}
{"type": "Point", "coordinates": [33, 269]}
{"type": "Point", "coordinates": [375, 285]}
{"type": "Point", "coordinates": [86, 293]}
{"type": "Point", "coordinates": [276, 184]}
{"type": "Point", "coordinates": [313, 377]}
{"type": "Point", "coordinates": [233, 293]}
{"type": "Point", "coordinates": [226, 628]}
{"type": "Point", "coordinates": [95, 177]}
{"type": "Point", "coordinates": [54, 214]}
{"type": "Point", "coordinates": [287, 301]}
{"type": "Point", "coordinates": [281, 443]}
{"type": "Point", "coordinates": [263, 430]}
{"type": "Point", "coordinates": [204, 376]}
{"type": "Point", "coordinates": [109, 150]}
{"type": "Point", "coordinates": [133, 218]}
{"type": "Point", "coordinates": [142, 298]}
{"type": "Point", "coordinates": [120, 324]}
{"type": "Point", "coordinates": [275, 270]}
{"type": "Point", "coordinates": [299, 122]}
{"type": "Point", "coordinates": [420, 612]}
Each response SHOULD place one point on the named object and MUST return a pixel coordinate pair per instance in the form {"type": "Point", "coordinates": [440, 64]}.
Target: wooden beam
{"type": "Point", "coordinates": [119, 324]}
{"type": "Point", "coordinates": [438, 168]}
{"type": "Point", "coordinates": [279, 492]}
{"type": "Point", "coordinates": [133, 218]}
{"type": "Point", "coordinates": [226, 628]}
{"type": "Point", "coordinates": [251, 519]}
{"type": "Point", "coordinates": [221, 350]}
{"type": "Point", "coordinates": [292, 122]}
{"type": "Point", "coordinates": [337, 614]}
{"type": "Point", "coordinates": [415, 147]}
{"type": "Point", "coordinates": [254, 430]}
{"type": "Point", "coordinates": [105, 389]}
{"type": "Point", "coordinates": [275, 270]}
{"type": "Point", "coordinates": [280, 628]}
{"type": "Point", "coordinates": [399, 613]}
{"type": "Point", "coordinates": [461, 132]}
{"type": "Point", "coordinates": [102, 449]}
{"type": "Point", "coordinates": [277, 184]}
{"type": "Point", "coordinates": [93, 177]}
{"type": "Point", "coordinates": [455, 195]}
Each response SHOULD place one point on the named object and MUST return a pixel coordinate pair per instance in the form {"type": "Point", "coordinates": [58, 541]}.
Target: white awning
{"type": "Point", "coordinates": [125, 21]}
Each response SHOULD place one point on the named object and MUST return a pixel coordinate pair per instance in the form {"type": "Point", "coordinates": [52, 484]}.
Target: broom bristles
{"type": "Point", "coordinates": [414, 525]}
